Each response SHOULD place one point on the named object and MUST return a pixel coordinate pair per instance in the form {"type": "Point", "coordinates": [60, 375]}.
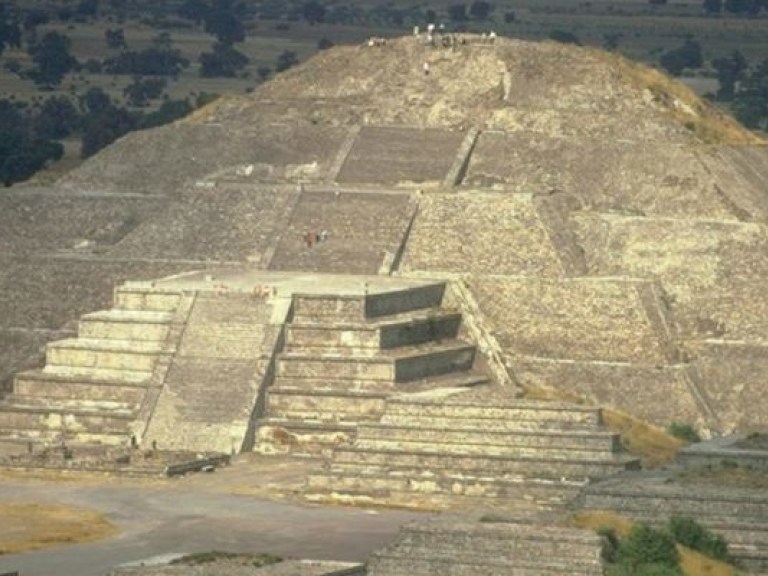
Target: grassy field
{"type": "Point", "coordinates": [31, 526]}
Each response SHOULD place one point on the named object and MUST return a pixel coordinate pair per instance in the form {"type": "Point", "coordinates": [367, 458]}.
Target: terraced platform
{"type": "Point", "coordinates": [508, 238]}
{"type": "Point", "coordinates": [344, 356]}
{"type": "Point", "coordinates": [427, 452]}
{"type": "Point", "coordinates": [365, 232]}
{"type": "Point", "coordinates": [463, 547]}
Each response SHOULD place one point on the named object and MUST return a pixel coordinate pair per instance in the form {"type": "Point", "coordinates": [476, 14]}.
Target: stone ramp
{"type": "Point", "coordinates": [667, 179]}
{"type": "Point", "coordinates": [345, 355]}
{"type": "Point", "coordinates": [221, 224]}
{"type": "Point", "coordinates": [463, 547]}
{"type": "Point", "coordinates": [216, 377]}
{"type": "Point", "coordinates": [738, 514]}
{"type": "Point", "coordinates": [365, 232]}
{"type": "Point", "coordinates": [506, 236]}
{"type": "Point", "coordinates": [426, 452]}
{"type": "Point", "coordinates": [400, 156]}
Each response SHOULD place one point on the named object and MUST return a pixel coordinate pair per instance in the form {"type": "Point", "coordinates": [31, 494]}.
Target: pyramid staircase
{"type": "Point", "coordinates": [475, 548]}
{"type": "Point", "coordinates": [345, 355]}
{"type": "Point", "coordinates": [433, 453]}
{"type": "Point", "coordinates": [92, 387]}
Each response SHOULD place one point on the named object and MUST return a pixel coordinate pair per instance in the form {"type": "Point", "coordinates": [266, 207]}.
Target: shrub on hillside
{"type": "Point", "coordinates": [647, 548]}
{"type": "Point", "coordinates": [688, 532]}
{"type": "Point", "coordinates": [683, 431]}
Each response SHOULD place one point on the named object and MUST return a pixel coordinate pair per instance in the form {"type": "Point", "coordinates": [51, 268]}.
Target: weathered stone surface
{"type": "Point", "coordinates": [505, 236]}
{"type": "Point", "coordinates": [365, 230]}
{"type": "Point", "coordinates": [400, 156]}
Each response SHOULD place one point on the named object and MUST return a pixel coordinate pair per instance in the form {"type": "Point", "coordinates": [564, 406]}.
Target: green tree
{"type": "Point", "coordinates": [224, 20]}
{"type": "Point", "coordinates": [56, 119]}
{"type": "Point", "coordinates": [729, 71]}
{"type": "Point", "coordinates": [139, 92]}
{"type": "Point", "coordinates": [750, 103]}
{"type": "Point", "coordinates": [480, 9]}
{"type": "Point", "coordinates": [646, 545]}
{"type": "Point", "coordinates": [564, 37]}
{"type": "Point", "coordinates": [458, 12]}
{"type": "Point", "coordinates": [285, 60]}
{"type": "Point", "coordinates": [223, 61]}
{"type": "Point", "coordinates": [313, 11]}
{"type": "Point", "coordinates": [115, 38]}
{"type": "Point", "coordinates": [688, 532]}
{"type": "Point", "coordinates": [52, 58]}
{"type": "Point", "coordinates": [689, 55]}
{"type": "Point", "coordinates": [10, 33]}
{"type": "Point", "coordinates": [104, 127]}
{"type": "Point", "coordinates": [713, 6]}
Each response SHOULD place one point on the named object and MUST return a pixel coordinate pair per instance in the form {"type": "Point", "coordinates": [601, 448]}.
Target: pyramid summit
{"type": "Point", "coordinates": [387, 256]}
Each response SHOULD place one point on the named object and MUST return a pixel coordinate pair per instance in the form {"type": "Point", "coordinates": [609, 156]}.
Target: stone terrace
{"type": "Point", "coordinates": [673, 183]}
{"type": "Point", "coordinates": [731, 376]}
{"type": "Point", "coordinates": [575, 319]}
{"type": "Point", "coordinates": [221, 224]}
{"type": "Point", "coordinates": [366, 232]}
{"type": "Point", "coordinates": [450, 547]}
{"type": "Point", "coordinates": [427, 452]}
{"type": "Point", "coordinates": [507, 236]}
{"type": "Point", "coordinates": [712, 271]}
{"type": "Point", "coordinates": [396, 156]}
{"type": "Point", "coordinates": [34, 221]}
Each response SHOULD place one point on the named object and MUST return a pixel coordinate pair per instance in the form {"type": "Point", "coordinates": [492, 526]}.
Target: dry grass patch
{"type": "Point", "coordinates": [30, 526]}
{"type": "Point", "coordinates": [707, 122]}
{"type": "Point", "coordinates": [646, 441]}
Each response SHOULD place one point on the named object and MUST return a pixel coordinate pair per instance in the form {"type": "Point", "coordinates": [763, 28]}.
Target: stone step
{"type": "Point", "coordinates": [697, 503]}
{"type": "Point", "coordinates": [409, 363]}
{"type": "Point", "coordinates": [325, 404]}
{"type": "Point", "coordinates": [415, 439]}
{"type": "Point", "coordinates": [405, 331]}
{"type": "Point", "coordinates": [455, 380]}
{"type": "Point", "coordinates": [499, 539]}
{"type": "Point", "coordinates": [317, 307]}
{"type": "Point", "coordinates": [146, 298]}
{"type": "Point", "coordinates": [125, 325]}
{"type": "Point", "coordinates": [91, 419]}
{"type": "Point", "coordinates": [80, 387]}
{"type": "Point", "coordinates": [307, 437]}
{"type": "Point", "coordinates": [400, 489]}
{"type": "Point", "coordinates": [483, 465]}
{"type": "Point", "coordinates": [408, 411]}
{"type": "Point", "coordinates": [382, 564]}
{"type": "Point", "coordinates": [104, 353]}
{"type": "Point", "coordinates": [22, 439]}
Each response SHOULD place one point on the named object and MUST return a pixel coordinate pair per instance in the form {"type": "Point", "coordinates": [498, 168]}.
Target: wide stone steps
{"type": "Point", "coordinates": [409, 363]}
{"type": "Point", "coordinates": [333, 308]}
{"type": "Point", "coordinates": [427, 565]}
{"type": "Point", "coordinates": [407, 330]}
{"type": "Point", "coordinates": [19, 441]}
{"type": "Point", "coordinates": [516, 415]}
{"type": "Point", "coordinates": [88, 386]}
{"type": "Point", "coordinates": [456, 539]}
{"type": "Point", "coordinates": [16, 414]}
{"type": "Point", "coordinates": [576, 467]}
{"type": "Point", "coordinates": [305, 436]}
{"type": "Point", "coordinates": [335, 405]}
{"type": "Point", "coordinates": [481, 439]}
{"type": "Point", "coordinates": [398, 488]}
{"type": "Point", "coordinates": [104, 354]}
{"type": "Point", "coordinates": [118, 324]}
{"type": "Point", "coordinates": [480, 548]}
{"type": "Point", "coordinates": [146, 299]}
{"type": "Point", "coordinates": [457, 380]}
